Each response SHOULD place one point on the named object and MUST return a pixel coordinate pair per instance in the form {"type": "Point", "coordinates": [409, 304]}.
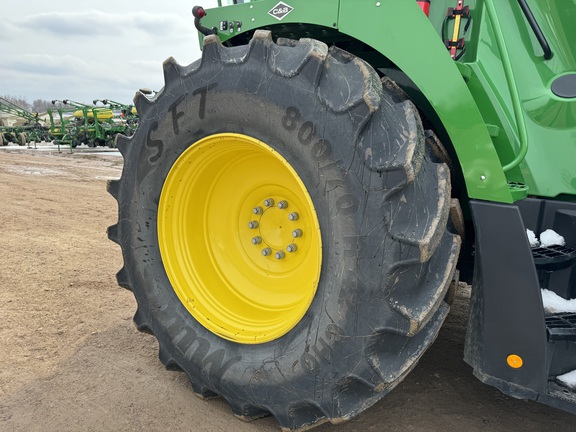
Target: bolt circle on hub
{"type": "Point", "coordinates": [247, 274]}
{"type": "Point", "coordinates": [276, 233]}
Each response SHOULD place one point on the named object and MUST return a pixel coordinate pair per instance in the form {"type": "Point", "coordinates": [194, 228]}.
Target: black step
{"type": "Point", "coordinates": [560, 397]}
{"type": "Point", "coordinates": [554, 258]}
{"type": "Point", "coordinates": [561, 327]}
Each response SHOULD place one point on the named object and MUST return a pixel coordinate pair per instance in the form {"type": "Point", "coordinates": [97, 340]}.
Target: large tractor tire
{"type": "Point", "coordinates": [284, 230]}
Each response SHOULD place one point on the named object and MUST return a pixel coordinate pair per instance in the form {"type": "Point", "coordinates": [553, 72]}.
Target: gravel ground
{"type": "Point", "coordinates": [71, 359]}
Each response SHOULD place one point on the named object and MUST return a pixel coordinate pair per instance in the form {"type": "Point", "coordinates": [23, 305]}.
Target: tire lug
{"type": "Point", "coordinates": [280, 255]}
{"type": "Point", "coordinates": [253, 225]}
{"type": "Point", "coordinates": [293, 216]}
{"type": "Point", "coordinates": [269, 202]}
{"type": "Point", "coordinates": [256, 240]}
{"type": "Point", "coordinates": [297, 233]}
{"type": "Point", "coordinates": [266, 251]}
{"type": "Point", "coordinates": [292, 248]}
{"type": "Point", "coordinates": [257, 210]}
{"type": "Point", "coordinates": [283, 204]}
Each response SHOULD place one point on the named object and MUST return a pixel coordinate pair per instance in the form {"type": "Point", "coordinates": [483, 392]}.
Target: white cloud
{"type": "Point", "coordinates": [109, 49]}
{"type": "Point", "coordinates": [94, 24]}
{"type": "Point", "coordinates": [45, 64]}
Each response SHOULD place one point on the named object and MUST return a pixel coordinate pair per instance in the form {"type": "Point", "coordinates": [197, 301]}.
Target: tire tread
{"type": "Point", "coordinates": [407, 307]}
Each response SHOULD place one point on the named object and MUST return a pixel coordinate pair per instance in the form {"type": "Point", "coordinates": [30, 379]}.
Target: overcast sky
{"type": "Point", "coordinates": [85, 50]}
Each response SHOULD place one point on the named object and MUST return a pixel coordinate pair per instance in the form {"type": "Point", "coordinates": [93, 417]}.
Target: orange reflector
{"type": "Point", "coordinates": [514, 361]}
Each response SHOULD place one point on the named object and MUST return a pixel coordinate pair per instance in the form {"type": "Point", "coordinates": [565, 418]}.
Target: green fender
{"type": "Point", "coordinates": [402, 33]}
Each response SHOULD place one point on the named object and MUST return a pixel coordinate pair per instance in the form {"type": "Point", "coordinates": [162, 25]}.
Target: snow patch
{"type": "Point", "coordinates": [568, 380]}
{"type": "Point", "coordinates": [547, 238]}
{"type": "Point", "coordinates": [532, 238]}
{"type": "Point", "coordinates": [551, 238]}
{"type": "Point", "coordinates": [553, 303]}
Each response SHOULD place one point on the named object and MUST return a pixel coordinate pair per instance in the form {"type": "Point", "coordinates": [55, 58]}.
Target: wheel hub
{"type": "Point", "coordinates": [239, 238]}
{"type": "Point", "coordinates": [277, 227]}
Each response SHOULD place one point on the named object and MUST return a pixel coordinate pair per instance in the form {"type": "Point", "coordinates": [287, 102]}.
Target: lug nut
{"type": "Point", "coordinates": [253, 225]}
{"type": "Point", "coordinates": [279, 255]}
{"type": "Point", "coordinates": [297, 233]}
{"type": "Point", "coordinates": [293, 216]}
{"type": "Point", "coordinates": [266, 251]}
{"type": "Point", "coordinates": [283, 204]}
{"type": "Point", "coordinates": [292, 248]}
{"type": "Point", "coordinates": [257, 210]}
{"type": "Point", "coordinates": [256, 240]}
{"type": "Point", "coordinates": [269, 202]}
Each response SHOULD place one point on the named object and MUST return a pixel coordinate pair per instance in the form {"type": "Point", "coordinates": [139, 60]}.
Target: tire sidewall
{"type": "Point", "coordinates": [282, 116]}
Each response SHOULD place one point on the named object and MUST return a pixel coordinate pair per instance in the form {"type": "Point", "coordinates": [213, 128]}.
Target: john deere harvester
{"type": "Point", "coordinates": [297, 205]}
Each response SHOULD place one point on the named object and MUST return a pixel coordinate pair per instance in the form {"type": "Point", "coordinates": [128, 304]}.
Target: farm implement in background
{"type": "Point", "coordinates": [125, 116]}
{"type": "Point", "coordinates": [29, 128]}
{"type": "Point", "coordinates": [75, 123]}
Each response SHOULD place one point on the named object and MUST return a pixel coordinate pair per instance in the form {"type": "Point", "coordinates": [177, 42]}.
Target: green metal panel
{"type": "Point", "coordinates": [402, 33]}
{"type": "Point", "coordinates": [506, 93]}
{"type": "Point", "coordinates": [255, 14]}
{"type": "Point", "coordinates": [510, 82]}
{"type": "Point", "coordinates": [550, 121]}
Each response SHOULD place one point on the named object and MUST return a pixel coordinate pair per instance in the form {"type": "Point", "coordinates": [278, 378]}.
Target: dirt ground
{"type": "Point", "coordinates": [72, 360]}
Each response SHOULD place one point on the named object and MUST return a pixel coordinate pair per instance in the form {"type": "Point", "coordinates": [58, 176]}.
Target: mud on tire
{"type": "Point", "coordinates": [382, 206]}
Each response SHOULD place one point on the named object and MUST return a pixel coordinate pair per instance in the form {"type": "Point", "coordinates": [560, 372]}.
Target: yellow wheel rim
{"type": "Point", "coordinates": [239, 238]}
